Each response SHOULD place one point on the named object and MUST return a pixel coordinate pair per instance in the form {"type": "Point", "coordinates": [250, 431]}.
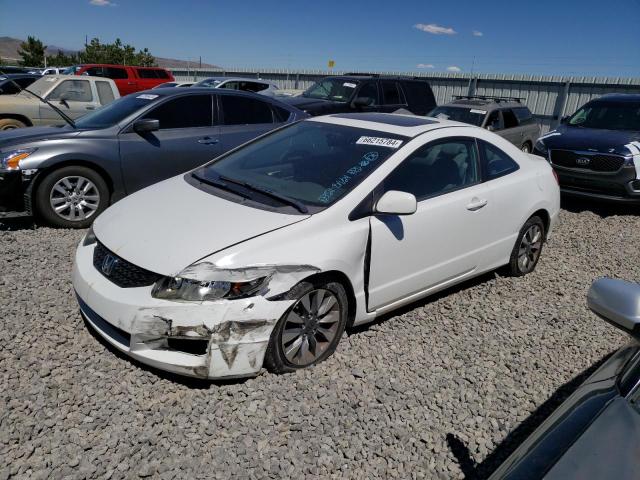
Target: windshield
{"type": "Point", "coordinates": [472, 116]}
{"type": "Point", "coordinates": [312, 163]}
{"type": "Point", "coordinates": [41, 86]}
{"type": "Point", "coordinates": [115, 111]}
{"type": "Point", "coordinates": [335, 89]}
{"type": "Point", "coordinates": [608, 115]}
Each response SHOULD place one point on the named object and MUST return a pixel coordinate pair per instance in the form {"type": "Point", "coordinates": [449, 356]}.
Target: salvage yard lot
{"type": "Point", "coordinates": [444, 388]}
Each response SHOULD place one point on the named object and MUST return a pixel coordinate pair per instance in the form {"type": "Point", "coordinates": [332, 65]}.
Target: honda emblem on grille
{"type": "Point", "coordinates": [583, 161]}
{"type": "Point", "coordinates": [108, 263]}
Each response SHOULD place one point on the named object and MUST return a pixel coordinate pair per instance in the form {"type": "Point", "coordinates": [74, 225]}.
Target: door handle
{"type": "Point", "coordinates": [131, 83]}
{"type": "Point", "coordinates": [90, 108]}
{"type": "Point", "coordinates": [476, 204]}
{"type": "Point", "coordinates": [208, 141]}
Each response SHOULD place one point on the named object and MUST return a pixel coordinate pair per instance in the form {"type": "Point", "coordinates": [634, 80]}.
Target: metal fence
{"type": "Point", "coordinates": [548, 97]}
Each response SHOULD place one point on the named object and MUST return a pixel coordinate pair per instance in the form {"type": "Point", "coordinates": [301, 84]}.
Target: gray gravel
{"type": "Point", "coordinates": [439, 390]}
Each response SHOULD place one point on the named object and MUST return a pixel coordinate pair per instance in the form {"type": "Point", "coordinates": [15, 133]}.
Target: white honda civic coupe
{"type": "Point", "coordinates": [265, 255]}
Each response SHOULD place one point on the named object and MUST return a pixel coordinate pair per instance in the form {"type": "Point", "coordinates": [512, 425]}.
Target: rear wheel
{"type": "Point", "coordinates": [71, 197]}
{"type": "Point", "coordinates": [11, 124]}
{"type": "Point", "coordinates": [526, 252]}
{"type": "Point", "coordinates": [311, 329]}
{"type": "Point", "coordinates": [526, 147]}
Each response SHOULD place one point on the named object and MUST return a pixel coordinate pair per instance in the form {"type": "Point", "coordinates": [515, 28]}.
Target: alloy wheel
{"type": "Point", "coordinates": [74, 198]}
{"type": "Point", "coordinates": [310, 327]}
{"type": "Point", "coordinates": [530, 248]}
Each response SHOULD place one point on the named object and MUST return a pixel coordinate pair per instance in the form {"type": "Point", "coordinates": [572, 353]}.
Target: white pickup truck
{"type": "Point", "coordinates": [75, 96]}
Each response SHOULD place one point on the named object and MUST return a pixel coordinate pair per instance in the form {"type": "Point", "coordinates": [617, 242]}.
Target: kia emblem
{"type": "Point", "coordinates": [583, 161]}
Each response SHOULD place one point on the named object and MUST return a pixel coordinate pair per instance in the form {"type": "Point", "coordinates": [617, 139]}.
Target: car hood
{"type": "Point", "coordinates": [591, 139]}
{"type": "Point", "coordinates": [168, 226]}
{"type": "Point", "coordinates": [312, 104]}
{"type": "Point", "coordinates": [33, 134]}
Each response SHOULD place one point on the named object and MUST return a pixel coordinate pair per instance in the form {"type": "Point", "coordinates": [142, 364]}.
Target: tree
{"type": "Point", "coordinates": [32, 52]}
{"type": "Point", "coordinates": [115, 53]}
{"type": "Point", "coordinates": [62, 60]}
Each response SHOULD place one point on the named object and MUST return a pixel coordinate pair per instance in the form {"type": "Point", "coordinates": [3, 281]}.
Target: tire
{"type": "Point", "coordinates": [526, 147]}
{"type": "Point", "coordinates": [282, 354]}
{"type": "Point", "coordinates": [79, 192]}
{"type": "Point", "coordinates": [528, 248]}
{"type": "Point", "coordinates": [11, 124]}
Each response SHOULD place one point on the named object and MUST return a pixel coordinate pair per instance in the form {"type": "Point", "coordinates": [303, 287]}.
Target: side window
{"type": "Point", "coordinates": [73, 90]}
{"type": "Point", "coordinates": [239, 110]}
{"type": "Point", "coordinates": [105, 93]}
{"type": "Point", "coordinates": [509, 118]}
{"type": "Point", "coordinates": [369, 90]}
{"type": "Point", "coordinates": [147, 73]}
{"type": "Point", "coordinates": [282, 115]}
{"type": "Point", "coordinates": [95, 72]}
{"type": "Point", "coordinates": [496, 162]}
{"type": "Point", "coordinates": [437, 168]}
{"type": "Point", "coordinates": [189, 111]}
{"type": "Point", "coordinates": [494, 120]}
{"type": "Point", "coordinates": [115, 73]}
{"type": "Point", "coordinates": [253, 86]}
{"type": "Point", "coordinates": [162, 73]}
{"type": "Point", "coordinates": [390, 93]}
{"type": "Point", "coordinates": [524, 115]}
{"type": "Point", "coordinates": [230, 85]}
{"type": "Point", "coordinates": [10, 88]}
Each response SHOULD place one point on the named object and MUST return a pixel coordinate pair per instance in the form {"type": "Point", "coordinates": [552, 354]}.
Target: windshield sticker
{"type": "Point", "coordinates": [481, 112]}
{"type": "Point", "coordinates": [350, 85]}
{"type": "Point", "coordinates": [147, 96]}
{"type": "Point", "coordinates": [380, 142]}
{"type": "Point", "coordinates": [367, 159]}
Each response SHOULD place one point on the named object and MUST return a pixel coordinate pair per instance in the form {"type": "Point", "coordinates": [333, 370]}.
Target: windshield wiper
{"type": "Point", "coordinates": [58, 111]}
{"type": "Point", "coordinates": [218, 184]}
{"type": "Point", "coordinates": [301, 207]}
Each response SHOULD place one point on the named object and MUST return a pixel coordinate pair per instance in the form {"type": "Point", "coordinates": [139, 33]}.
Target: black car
{"type": "Point", "coordinates": [595, 433]}
{"type": "Point", "coordinates": [12, 83]}
{"type": "Point", "coordinates": [365, 93]}
{"type": "Point", "coordinates": [596, 151]}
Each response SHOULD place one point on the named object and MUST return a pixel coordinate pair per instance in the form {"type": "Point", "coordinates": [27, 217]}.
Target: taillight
{"type": "Point", "coordinates": [555, 175]}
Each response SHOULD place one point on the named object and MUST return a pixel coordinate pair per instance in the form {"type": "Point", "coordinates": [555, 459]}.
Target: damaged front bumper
{"type": "Point", "coordinates": [15, 193]}
{"type": "Point", "coordinates": [210, 339]}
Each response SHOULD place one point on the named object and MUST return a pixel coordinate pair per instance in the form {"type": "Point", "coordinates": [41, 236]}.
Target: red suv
{"type": "Point", "coordinates": [127, 79]}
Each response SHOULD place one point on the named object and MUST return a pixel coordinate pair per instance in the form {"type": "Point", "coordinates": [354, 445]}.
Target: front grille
{"type": "Point", "coordinates": [119, 271]}
{"type": "Point", "coordinates": [596, 162]}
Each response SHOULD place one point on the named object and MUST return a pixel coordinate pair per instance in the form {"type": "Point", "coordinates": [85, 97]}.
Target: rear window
{"type": "Point", "coordinates": [390, 93]}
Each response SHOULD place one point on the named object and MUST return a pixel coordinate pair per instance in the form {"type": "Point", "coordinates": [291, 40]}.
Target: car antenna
{"type": "Point", "coordinates": [58, 111]}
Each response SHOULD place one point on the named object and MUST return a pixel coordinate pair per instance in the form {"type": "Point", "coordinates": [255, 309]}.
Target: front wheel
{"type": "Point", "coordinates": [526, 147]}
{"type": "Point", "coordinates": [310, 330]}
{"type": "Point", "coordinates": [11, 124]}
{"type": "Point", "coordinates": [71, 197]}
{"type": "Point", "coordinates": [526, 252]}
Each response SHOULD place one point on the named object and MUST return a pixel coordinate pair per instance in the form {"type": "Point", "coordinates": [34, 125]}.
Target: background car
{"type": "Point", "coordinates": [74, 96]}
{"type": "Point", "coordinates": [13, 83]}
{"type": "Point", "coordinates": [365, 93]}
{"type": "Point", "coordinates": [262, 87]}
{"type": "Point", "coordinates": [505, 116]}
{"type": "Point", "coordinates": [596, 151]}
{"type": "Point", "coordinates": [67, 176]}
{"type": "Point", "coordinates": [264, 255]}
{"type": "Point", "coordinates": [53, 71]}
{"type": "Point", "coordinates": [175, 84]}
{"type": "Point", "coordinates": [127, 78]}
{"type": "Point", "coordinates": [595, 432]}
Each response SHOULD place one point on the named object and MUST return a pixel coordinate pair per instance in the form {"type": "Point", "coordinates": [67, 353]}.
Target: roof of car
{"type": "Point", "coordinates": [366, 76]}
{"type": "Point", "coordinates": [486, 103]}
{"type": "Point", "coordinates": [396, 123]}
{"type": "Point", "coordinates": [620, 97]}
{"type": "Point", "coordinates": [10, 76]}
{"type": "Point", "coordinates": [235, 79]}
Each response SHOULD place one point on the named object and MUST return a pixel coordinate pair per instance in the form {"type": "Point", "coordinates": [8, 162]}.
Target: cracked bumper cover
{"type": "Point", "coordinates": [237, 332]}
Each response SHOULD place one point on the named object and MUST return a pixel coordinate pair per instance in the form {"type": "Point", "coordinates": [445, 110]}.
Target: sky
{"type": "Point", "coordinates": [560, 37]}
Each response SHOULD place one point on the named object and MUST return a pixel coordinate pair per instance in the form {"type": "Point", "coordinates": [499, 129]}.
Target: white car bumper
{"type": "Point", "coordinates": [225, 338]}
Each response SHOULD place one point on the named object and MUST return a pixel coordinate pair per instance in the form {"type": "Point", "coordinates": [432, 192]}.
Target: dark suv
{"type": "Point", "coordinates": [365, 93]}
{"type": "Point", "coordinates": [596, 151]}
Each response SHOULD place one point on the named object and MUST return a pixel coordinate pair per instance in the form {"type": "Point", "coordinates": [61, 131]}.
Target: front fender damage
{"type": "Point", "coordinates": [237, 332]}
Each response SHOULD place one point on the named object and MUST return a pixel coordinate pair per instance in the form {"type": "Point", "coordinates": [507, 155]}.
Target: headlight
{"type": "Point", "coordinates": [89, 238]}
{"type": "Point", "coordinates": [541, 147]}
{"type": "Point", "coordinates": [10, 160]}
{"type": "Point", "coordinates": [177, 288]}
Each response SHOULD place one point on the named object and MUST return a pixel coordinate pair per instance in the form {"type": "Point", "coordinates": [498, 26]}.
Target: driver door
{"type": "Point", "coordinates": [443, 241]}
{"type": "Point", "coordinates": [74, 97]}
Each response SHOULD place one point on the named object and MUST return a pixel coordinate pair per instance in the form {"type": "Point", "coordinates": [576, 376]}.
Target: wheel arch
{"type": "Point", "coordinates": [342, 279]}
{"type": "Point", "coordinates": [73, 163]}
{"type": "Point", "coordinates": [16, 116]}
{"type": "Point", "coordinates": [545, 217]}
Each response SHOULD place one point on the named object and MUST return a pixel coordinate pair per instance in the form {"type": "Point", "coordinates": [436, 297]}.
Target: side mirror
{"type": "Point", "coordinates": [396, 203]}
{"type": "Point", "coordinates": [617, 302]}
{"type": "Point", "coordinates": [360, 102]}
{"type": "Point", "coordinates": [146, 125]}
{"type": "Point", "coordinates": [491, 128]}
{"type": "Point", "coordinates": [565, 119]}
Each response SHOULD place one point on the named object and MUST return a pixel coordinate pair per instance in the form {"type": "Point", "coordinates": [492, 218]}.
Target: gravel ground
{"type": "Point", "coordinates": [444, 389]}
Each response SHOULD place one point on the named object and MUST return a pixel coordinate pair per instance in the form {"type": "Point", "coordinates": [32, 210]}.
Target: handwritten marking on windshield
{"type": "Point", "coordinates": [341, 181]}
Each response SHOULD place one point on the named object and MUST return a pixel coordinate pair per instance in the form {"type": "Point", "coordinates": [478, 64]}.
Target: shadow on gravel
{"type": "Point", "coordinates": [189, 382]}
{"type": "Point", "coordinates": [601, 208]}
{"type": "Point", "coordinates": [13, 224]}
{"type": "Point", "coordinates": [482, 471]}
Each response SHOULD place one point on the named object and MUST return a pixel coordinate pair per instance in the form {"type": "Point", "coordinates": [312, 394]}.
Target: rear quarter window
{"type": "Point", "coordinates": [495, 162]}
{"type": "Point", "coordinates": [524, 115]}
{"type": "Point", "coordinates": [419, 94]}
